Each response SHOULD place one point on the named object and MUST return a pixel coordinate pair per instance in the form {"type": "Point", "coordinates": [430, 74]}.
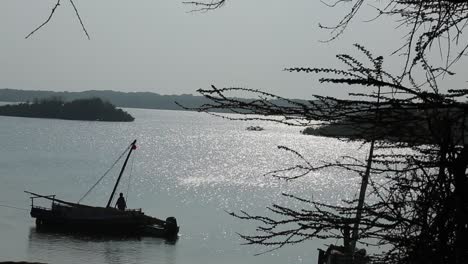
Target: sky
{"type": "Point", "coordinates": [162, 47]}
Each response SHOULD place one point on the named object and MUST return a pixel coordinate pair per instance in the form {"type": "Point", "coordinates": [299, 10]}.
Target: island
{"type": "Point", "coordinates": [91, 109]}
{"type": "Point", "coordinates": [389, 129]}
{"type": "Point", "coordinates": [409, 126]}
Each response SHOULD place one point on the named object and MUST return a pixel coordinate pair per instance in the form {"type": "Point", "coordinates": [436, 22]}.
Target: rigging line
{"type": "Point", "coordinates": [13, 207]}
{"type": "Point", "coordinates": [102, 177]}
{"type": "Point", "coordinates": [130, 177]}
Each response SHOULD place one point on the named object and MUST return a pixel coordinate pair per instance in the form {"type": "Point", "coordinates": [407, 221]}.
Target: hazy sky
{"type": "Point", "coordinates": [159, 46]}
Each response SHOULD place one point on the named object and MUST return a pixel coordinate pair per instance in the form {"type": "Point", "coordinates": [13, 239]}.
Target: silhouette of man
{"type": "Point", "coordinates": [121, 204]}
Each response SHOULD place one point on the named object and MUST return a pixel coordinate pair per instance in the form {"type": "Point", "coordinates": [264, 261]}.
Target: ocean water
{"type": "Point", "coordinates": [193, 166]}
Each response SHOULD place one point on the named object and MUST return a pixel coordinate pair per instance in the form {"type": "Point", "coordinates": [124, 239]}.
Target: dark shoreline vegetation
{"type": "Point", "coordinates": [364, 131]}
{"type": "Point", "coordinates": [91, 109]}
{"type": "Point", "coordinates": [21, 262]}
{"type": "Point", "coordinates": [406, 126]}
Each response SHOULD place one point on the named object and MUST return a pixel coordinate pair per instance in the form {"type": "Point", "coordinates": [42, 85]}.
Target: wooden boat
{"type": "Point", "coordinates": [69, 216]}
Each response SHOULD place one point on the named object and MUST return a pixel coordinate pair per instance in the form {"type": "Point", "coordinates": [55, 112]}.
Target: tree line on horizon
{"type": "Point", "coordinates": [121, 99]}
{"type": "Point", "coordinates": [91, 109]}
{"type": "Point", "coordinates": [145, 100]}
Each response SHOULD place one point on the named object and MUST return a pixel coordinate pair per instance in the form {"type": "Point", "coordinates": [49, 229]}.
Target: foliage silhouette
{"type": "Point", "coordinates": [418, 203]}
{"type": "Point", "coordinates": [416, 208]}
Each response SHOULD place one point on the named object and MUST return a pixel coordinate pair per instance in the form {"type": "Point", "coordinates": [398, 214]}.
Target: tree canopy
{"type": "Point", "coordinates": [416, 210]}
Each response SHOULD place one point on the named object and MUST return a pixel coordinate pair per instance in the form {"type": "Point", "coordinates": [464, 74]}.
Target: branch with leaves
{"type": "Point", "coordinates": [416, 208]}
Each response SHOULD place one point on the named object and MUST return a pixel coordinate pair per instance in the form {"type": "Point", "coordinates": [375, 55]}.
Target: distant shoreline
{"type": "Point", "coordinates": [91, 109]}
{"type": "Point", "coordinates": [143, 100]}
{"type": "Point", "coordinates": [20, 262]}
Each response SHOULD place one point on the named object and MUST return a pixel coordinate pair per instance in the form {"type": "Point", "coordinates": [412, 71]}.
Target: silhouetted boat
{"type": "Point", "coordinates": [68, 216]}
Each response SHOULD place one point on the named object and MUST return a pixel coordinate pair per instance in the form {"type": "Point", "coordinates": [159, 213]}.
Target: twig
{"type": "Point", "coordinates": [47, 20]}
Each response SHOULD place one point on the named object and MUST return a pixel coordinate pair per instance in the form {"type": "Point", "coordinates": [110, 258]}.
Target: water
{"type": "Point", "coordinates": [189, 165]}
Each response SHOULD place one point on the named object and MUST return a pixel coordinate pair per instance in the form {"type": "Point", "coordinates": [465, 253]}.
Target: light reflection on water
{"type": "Point", "coordinates": [189, 165]}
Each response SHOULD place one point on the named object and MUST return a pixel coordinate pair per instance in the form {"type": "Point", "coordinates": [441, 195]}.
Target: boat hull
{"type": "Point", "coordinates": [100, 220]}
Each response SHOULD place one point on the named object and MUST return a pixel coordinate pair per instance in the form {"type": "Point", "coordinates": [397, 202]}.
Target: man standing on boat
{"type": "Point", "coordinates": [121, 204]}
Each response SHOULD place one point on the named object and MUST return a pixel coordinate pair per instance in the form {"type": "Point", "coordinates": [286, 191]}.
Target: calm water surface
{"type": "Point", "coordinates": [189, 165]}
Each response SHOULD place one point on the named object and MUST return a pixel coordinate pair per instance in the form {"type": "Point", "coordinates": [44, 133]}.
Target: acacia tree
{"type": "Point", "coordinates": [418, 202]}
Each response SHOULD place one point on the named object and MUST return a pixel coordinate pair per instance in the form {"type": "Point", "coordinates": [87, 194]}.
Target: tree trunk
{"type": "Point", "coordinates": [461, 218]}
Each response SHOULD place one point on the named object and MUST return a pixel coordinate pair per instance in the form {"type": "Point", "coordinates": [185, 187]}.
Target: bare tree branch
{"type": "Point", "coordinates": [46, 21]}
{"type": "Point", "coordinates": [57, 4]}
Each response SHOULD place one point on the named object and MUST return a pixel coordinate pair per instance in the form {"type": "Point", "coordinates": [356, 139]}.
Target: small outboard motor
{"type": "Point", "coordinates": [171, 225]}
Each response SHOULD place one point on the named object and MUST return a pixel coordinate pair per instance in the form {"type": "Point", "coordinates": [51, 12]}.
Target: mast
{"type": "Point", "coordinates": [132, 147]}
